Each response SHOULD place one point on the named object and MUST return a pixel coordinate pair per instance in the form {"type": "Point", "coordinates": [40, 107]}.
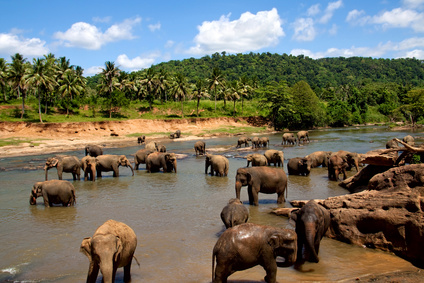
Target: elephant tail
{"type": "Point", "coordinates": [74, 199]}
{"type": "Point", "coordinates": [136, 260]}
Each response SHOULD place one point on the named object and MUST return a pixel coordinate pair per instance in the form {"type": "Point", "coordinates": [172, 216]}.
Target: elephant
{"type": "Point", "coordinates": [299, 166]}
{"type": "Point", "coordinates": [141, 139]}
{"type": "Point", "coordinates": [352, 158]}
{"type": "Point", "coordinates": [111, 247]}
{"type": "Point", "coordinates": [274, 156]}
{"type": "Point", "coordinates": [234, 213]}
{"type": "Point", "coordinates": [152, 146]}
{"type": "Point", "coordinates": [243, 140]}
{"type": "Point", "coordinates": [392, 143]}
{"type": "Point", "coordinates": [157, 160]}
{"type": "Point", "coordinates": [89, 165]}
{"type": "Point", "coordinates": [93, 150]}
{"type": "Point", "coordinates": [261, 179]}
{"type": "Point", "coordinates": [409, 140]}
{"type": "Point", "coordinates": [264, 141]}
{"type": "Point", "coordinates": [175, 135]}
{"type": "Point", "coordinates": [303, 135]}
{"type": "Point", "coordinates": [140, 157]}
{"type": "Point", "coordinates": [336, 166]}
{"type": "Point", "coordinates": [319, 158]}
{"type": "Point", "coordinates": [109, 162]}
{"type": "Point", "coordinates": [256, 159]}
{"type": "Point", "coordinates": [219, 165]}
{"type": "Point", "coordinates": [161, 148]}
{"type": "Point", "coordinates": [247, 245]}
{"type": "Point", "coordinates": [200, 148]}
{"type": "Point", "coordinates": [64, 163]}
{"type": "Point", "coordinates": [312, 221]}
{"type": "Point", "coordinates": [255, 142]}
{"type": "Point", "coordinates": [288, 138]}
{"type": "Point", "coordinates": [53, 192]}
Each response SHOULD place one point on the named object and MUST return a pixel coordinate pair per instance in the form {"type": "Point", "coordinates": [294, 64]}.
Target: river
{"type": "Point", "coordinates": [175, 216]}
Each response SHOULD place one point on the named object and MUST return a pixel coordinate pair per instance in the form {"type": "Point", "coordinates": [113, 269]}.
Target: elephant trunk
{"type": "Point", "coordinates": [132, 169]}
{"type": "Point", "coordinates": [107, 271]}
{"type": "Point", "coordinates": [310, 232]}
{"type": "Point", "coordinates": [93, 172]}
{"type": "Point", "coordinates": [175, 166]}
{"type": "Point", "coordinates": [46, 169]}
{"type": "Point", "coordinates": [238, 188]}
{"type": "Point", "coordinates": [32, 200]}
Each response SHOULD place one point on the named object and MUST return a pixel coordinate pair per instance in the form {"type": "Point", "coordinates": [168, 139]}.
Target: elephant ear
{"type": "Point", "coordinates": [274, 241]}
{"type": "Point", "coordinates": [294, 214]}
{"type": "Point", "coordinates": [249, 178]}
{"type": "Point", "coordinates": [86, 247]}
{"type": "Point", "coordinates": [118, 248]}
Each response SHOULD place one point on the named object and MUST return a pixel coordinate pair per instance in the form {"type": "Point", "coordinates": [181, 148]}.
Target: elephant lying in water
{"type": "Point", "coordinates": [111, 247]}
{"type": "Point", "coordinates": [53, 192]}
{"type": "Point", "coordinates": [247, 245]}
{"type": "Point", "coordinates": [64, 163]}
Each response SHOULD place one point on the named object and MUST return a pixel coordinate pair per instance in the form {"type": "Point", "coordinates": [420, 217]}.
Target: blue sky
{"type": "Point", "coordinates": [138, 34]}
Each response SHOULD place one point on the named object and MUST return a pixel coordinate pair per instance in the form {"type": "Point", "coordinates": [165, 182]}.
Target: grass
{"type": "Point", "coordinates": [17, 141]}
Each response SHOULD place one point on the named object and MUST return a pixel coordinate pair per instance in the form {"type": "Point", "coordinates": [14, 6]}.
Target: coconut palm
{"type": "Point", "coordinates": [41, 79]}
{"type": "Point", "coordinates": [149, 82]}
{"type": "Point", "coordinates": [245, 89]}
{"type": "Point", "coordinates": [216, 79]}
{"type": "Point", "coordinates": [16, 77]}
{"type": "Point", "coordinates": [234, 92]}
{"type": "Point", "coordinates": [109, 82]}
{"type": "Point", "coordinates": [180, 89]}
{"type": "Point", "coordinates": [3, 77]}
{"type": "Point", "coordinates": [163, 84]}
{"type": "Point", "coordinates": [69, 86]}
{"type": "Point", "coordinates": [200, 92]}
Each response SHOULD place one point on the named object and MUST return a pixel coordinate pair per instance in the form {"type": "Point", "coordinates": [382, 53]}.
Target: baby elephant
{"type": "Point", "coordinates": [53, 192]}
{"type": "Point", "coordinates": [112, 246]}
{"type": "Point", "coordinates": [312, 221]}
{"type": "Point", "coordinates": [234, 213]}
{"type": "Point", "coordinates": [247, 245]}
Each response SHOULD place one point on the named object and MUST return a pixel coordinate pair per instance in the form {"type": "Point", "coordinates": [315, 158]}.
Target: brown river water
{"type": "Point", "coordinates": [176, 216]}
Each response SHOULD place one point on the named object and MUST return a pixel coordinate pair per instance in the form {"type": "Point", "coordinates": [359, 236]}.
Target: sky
{"type": "Point", "coordinates": [138, 34]}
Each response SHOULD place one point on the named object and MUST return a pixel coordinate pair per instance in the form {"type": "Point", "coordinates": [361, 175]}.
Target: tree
{"type": "Point", "coordinates": [3, 77]}
{"type": "Point", "coordinates": [245, 89]}
{"type": "Point", "coordinates": [234, 90]}
{"type": "Point", "coordinates": [215, 80]}
{"type": "Point", "coordinates": [149, 83]}
{"type": "Point", "coordinates": [414, 105]}
{"type": "Point", "coordinates": [199, 93]}
{"type": "Point", "coordinates": [70, 86]}
{"type": "Point", "coordinates": [306, 104]}
{"type": "Point", "coordinates": [40, 78]}
{"type": "Point", "coordinates": [163, 84]}
{"type": "Point", "coordinates": [180, 89]}
{"type": "Point", "coordinates": [338, 113]}
{"type": "Point", "coordinates": [109, 82]}
{"type": "Point", "coordinates": [16, 77]}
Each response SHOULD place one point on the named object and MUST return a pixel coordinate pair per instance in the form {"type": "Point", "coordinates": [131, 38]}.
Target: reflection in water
{"type": "Point", "coordinates": [176, 216]}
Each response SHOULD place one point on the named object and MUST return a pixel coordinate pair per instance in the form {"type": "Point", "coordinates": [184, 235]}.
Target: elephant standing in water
{"type": "Point", "coordinates": [175, 135]}
{"type": "Point", "coordinates": [108, 162]}
{"type": "Point", "coordinates": [243, 140]}
{"type": "Point", "coordinates": [152, 146]}
{"type": "Point", "coordinates": [234, 213]}
{"type": "Point", "coordinates": [140, 157]}
{"type": "Point", "coordinates": [302, 135]}
{"type": "Point", "coordinates": [64, 163]}
{"type": "Point", "coordinates": [288, 138]}
{"type": "Point", "coordinates": [261, 179]}
{"type": "Point", "coordinates": [219, 165]}
{"type": "Point", "coordinates": [247, 245]}
{"type": "Point", "coordinates": [336, 166]}
{"type": "Point", "coordinates": [93, 150]}
{"type": "Point", "coordinates": [141, 139]}
{"type": "Point", "coordinates": [111, 247]}
{"type": "Point", "coordinates": [312, 221]}
{"type": "Point", "coordinates": [157, 160]}
{"type": "Point", "coordinates": [256, 159]}
{"type": "Point", "coordinates": [299, 166]}
{"type": "Point", "coordinates": [319, 158]}
{"type": "Point", "coordinates": [352, 158]}
{"type": "Point", "coordinates": [255, 142]}
{"type": "Point", "coordinates": [89, 165]}
{"type": "Point", "coordinates": [264, 141]}
{"type": "Point", "coordinates": [275, 157]}
{"type": "Point", "coordinates": [200, 148]}
{"type": "Point", "coordinates": [53, 192]}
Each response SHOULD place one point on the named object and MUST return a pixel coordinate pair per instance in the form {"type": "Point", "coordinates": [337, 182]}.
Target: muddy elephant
{"type": "Point", "coordinates": [243, 140]}
{"type": "Point", "coordinates": [234, 213]}
{"type": "Point", "coordinates": [261, 179]}
{"type": "Point", "coordinates": [111, 247]}
{"type": "Point", "coordinates": [89, 165]}
{"type": "Point", "coordinates": [161, 148]}
{"type": "Point", "coordinates": [336, 166]}
{"type": "Point", "coordinates": [157, 160]}
{"type": "Point", "coordinates": [319, 158]}
{"type": "Point", "coordinates": [264, 141]}
{"type": "Point", "coordinates": [255, 142]}
{"type": "Point", "coordinates": [141, 139]}
{"type": "Point", "coordinates": [200, 148]}
{"type": "Point", "coordinates": [299, 166]}
{"type": "Point", "coordinates": [109, 162]}
{"type": "Point", "coordinates": [256, 159]}
{"type": "Point", "coordinates": [352, 158]}
{"type": "Point", "coordinates": [288, 138]}
{"type": "Point", "coordinates": [93, 150]}
{"type": "Point", "coordinates": [275, 157]}
{"type": "Point", "coordinates": [175, 135]}
{"type": "Point", "coordinates": [152, 146]}
{"type": "Point", "coordinates": [302, 135]}
{"type": "Point", "coordinates": [64, 163]}
{"type": "Point", "coordinates": [53, 192]}
{"type": "Point", "coordinates": [140, 157]}
{"type": "Point", "coordinates": [312, 221]}
{"type": "Point", "coordinates": [247, 245]}
{"type": "Point", "coordinates": [409, 140]}
{"type": "Point", "coordinates": [219, 165]}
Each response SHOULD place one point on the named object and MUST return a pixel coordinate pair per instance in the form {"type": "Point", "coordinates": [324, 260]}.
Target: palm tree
{"type": "Point", "coordinates": [245, 89]}
{"type": "Point", "coordinates": [234, 91]}
{"type": "Point", "coordinates": [40, 78]}
{"type": "Point", "coordinates": [150, 84]}
{"type": "Point", "coordinates": [16, 77]}
{"type": "Point", "coordinates": [162, 84]}
{"type": "Point", "coordinates": [69, 86]}
{"type": "Point", "coordinates": [3, 77]}
{"type": "Point", "coordinates": [215, 80]}
{"type": "Point", "coordinates": [180, 89]}
{"type": "Point", "coordinates": [199, 92]}
{"type": "Point", "coordinates": [109, 77]}
{"type": "Point", "coordinates": [54, 68]}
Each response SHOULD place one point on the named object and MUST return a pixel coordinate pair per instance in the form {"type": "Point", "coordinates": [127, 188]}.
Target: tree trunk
{"type": "Point", "coordinates": [23, 104]}
{"type": "Point", "coordinates": [182, 108]}
{"type": "Point", "coordinates": [197, 111]}
{"type": "Point", "coordinates": [39, 106]}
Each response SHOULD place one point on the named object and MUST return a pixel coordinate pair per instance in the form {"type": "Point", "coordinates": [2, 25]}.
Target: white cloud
{"type": "Point", "coordinates": [92, 70]}
{"type": "Point", "coordinates": [417, 53]}
{"type": "Point", "coordinates": [101, 20]}
{"type": "Point", "coordinates": [304, 29]}
{"type": "Point", "coordinates": [88, 36]}
{"type": "Point", "coordinates": [337, 52]}
{"type": "Point", "coordinates": [154, 27]}
{"type": "Point", "coordinates": [329, 11]}
{"type": "Point", "coordinates": [356, 17]}
{"type": "Point", "coordinates": [401, 18]}
{"type": "Point", "coordinates": [136, 63]}
{"type": "Point", "coordinates": [11, 44]}
{"type": "Point", "coordinates": [169, 44]}
{"type": "Point", "coordinates": [250, 32]}
{"type": "Point", "coordinates": [313, 10]}
{"type": "Point", "coordinates": [413, 3]}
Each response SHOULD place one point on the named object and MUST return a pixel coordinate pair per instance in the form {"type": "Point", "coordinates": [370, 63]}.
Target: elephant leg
{"type": "Point", "coordinates": [270, 267]}
{"type": "Point", "coordinates": [127, 272]}
{"type": "Point", "coordinates": [281, 198]}
{"type": "Point", "coordinates": [222, 271]}
{"type": "Point", "coordinates": [250, 193]}
{"type": "Point", "coordinates": [93, 272]}
{"type": "Point", "coordinates": [59, 175]}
